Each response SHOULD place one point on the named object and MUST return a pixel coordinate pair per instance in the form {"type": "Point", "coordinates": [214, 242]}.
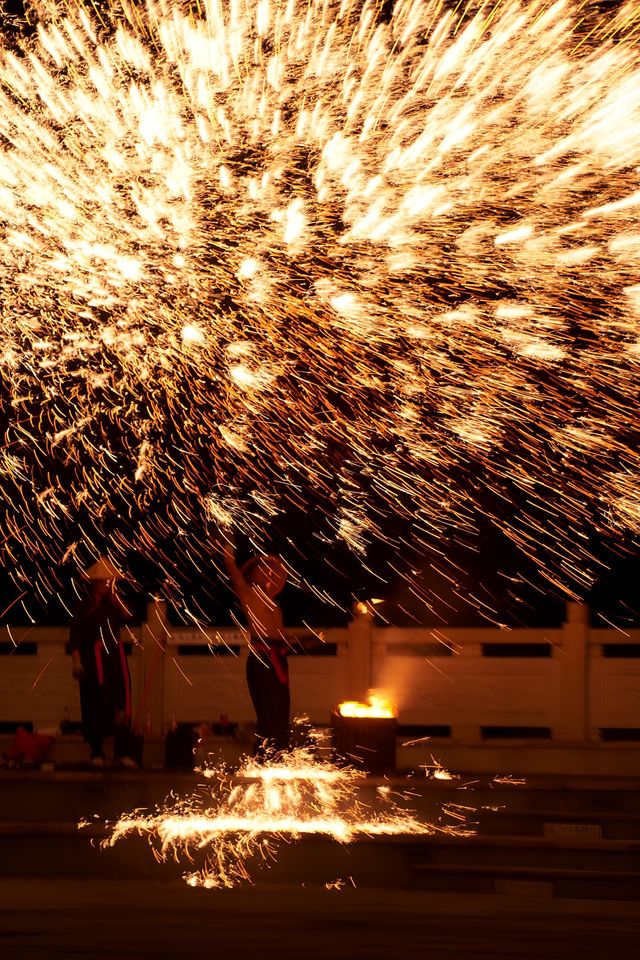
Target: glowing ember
{"type": "Point", "coordinates": [257, 256]}
{"type": "Point", "coordinates": [247, 816]}
{"type": "Point", "coordinates": [375, 706]}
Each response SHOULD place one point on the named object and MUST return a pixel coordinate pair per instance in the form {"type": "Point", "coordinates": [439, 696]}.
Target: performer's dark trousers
{"type": "Point", "coordinates": [268, 681]}
{"type": "Point", "coordinates": [105, 698]}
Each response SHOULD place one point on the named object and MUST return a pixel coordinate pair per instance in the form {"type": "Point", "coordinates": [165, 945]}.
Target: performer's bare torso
{"type": "Point", "coordinates": [263, 614]}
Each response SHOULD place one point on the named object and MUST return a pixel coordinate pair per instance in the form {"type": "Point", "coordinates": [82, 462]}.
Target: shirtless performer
{"type": "Point", "coordinates": [256, 585]}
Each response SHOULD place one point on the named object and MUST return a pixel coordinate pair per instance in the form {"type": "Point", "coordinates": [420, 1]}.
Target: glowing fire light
{"type": "Point", "coordinates": [375, 706]}
{"type": "Point", "coordinates": [262, 805]}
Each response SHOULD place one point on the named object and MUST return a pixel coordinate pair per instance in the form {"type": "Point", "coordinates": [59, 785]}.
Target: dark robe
{"type": "Point", "coordinates": [268, 682]}
{"type": "Point", "coordinates": [105, 687]}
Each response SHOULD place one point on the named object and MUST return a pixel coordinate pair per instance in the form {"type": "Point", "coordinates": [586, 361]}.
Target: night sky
{"type": "Point", "coordinates": [480, 577]}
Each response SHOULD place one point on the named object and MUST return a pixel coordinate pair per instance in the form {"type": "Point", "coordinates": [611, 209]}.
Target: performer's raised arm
{"type": "Point", "coordinates": [238, 582]}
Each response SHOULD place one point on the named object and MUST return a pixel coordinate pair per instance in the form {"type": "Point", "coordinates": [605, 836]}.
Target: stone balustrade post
{"type": "Point", "coordinates": [155, 632]}
{"type": "Point", "coordinates": [359, 651]}
{"type": "Point", "coordinates": [574, 691]}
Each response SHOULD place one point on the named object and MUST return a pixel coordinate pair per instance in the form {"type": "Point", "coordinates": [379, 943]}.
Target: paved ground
{"type": "Point", "coordinates": [56, 919]}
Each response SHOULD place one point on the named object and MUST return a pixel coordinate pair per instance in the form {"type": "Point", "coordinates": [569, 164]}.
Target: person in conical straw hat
{"type": "Point", "coordinates": [99, 663]}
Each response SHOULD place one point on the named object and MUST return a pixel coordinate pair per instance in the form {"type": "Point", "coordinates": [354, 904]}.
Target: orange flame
{"type": "Point", "coordinates": [375, 706]}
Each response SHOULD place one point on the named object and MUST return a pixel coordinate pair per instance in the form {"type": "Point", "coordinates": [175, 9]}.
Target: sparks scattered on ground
{"type": "Point", "coordinates": [240, 822]}
{"type": "Point", "coordinates": [508, 780]}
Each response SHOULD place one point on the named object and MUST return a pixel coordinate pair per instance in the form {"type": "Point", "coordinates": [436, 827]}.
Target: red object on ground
{"type": "Point", "coordinates": [30, 747]}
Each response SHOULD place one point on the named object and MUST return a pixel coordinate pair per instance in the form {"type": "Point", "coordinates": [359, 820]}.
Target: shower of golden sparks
{"type": "Point", "coordinates": [244, 819]}
{"type": "Point", "coordinates": [262, 255]}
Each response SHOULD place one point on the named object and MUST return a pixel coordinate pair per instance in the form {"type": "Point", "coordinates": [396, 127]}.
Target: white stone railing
{"type": "Point", "coordinates": [463, 684]}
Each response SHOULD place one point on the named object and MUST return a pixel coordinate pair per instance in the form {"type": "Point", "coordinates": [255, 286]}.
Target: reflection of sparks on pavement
{"type": "Point", "coordinates": [244, 818]}
{"type": "Point", "coordinates": [256, 253]}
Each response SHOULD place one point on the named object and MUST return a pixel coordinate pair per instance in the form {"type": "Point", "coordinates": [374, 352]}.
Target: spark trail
{"type": "Point", "coordinates": [261, 259]}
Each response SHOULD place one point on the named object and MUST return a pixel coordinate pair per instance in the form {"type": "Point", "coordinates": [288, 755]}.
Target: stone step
{"type": "Point", "coordinates": [73, 795]}
{"type": "Point", "coordinates": [526, 758]}
{"type": "Point", "coordinates": [528, 882]}
{"type": "Point", "coordinates": [63, 919]}
{"type": "Point", "coordinates": [497, 808]}
{"type": "Point", "coordinates": [602, 869]}
{"type": "Point", "coordinates": [598, 825]}
{"type": "Point", "coordinates": [479, 758]}
{"type": "Point", "coordinates": [70, 750]}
